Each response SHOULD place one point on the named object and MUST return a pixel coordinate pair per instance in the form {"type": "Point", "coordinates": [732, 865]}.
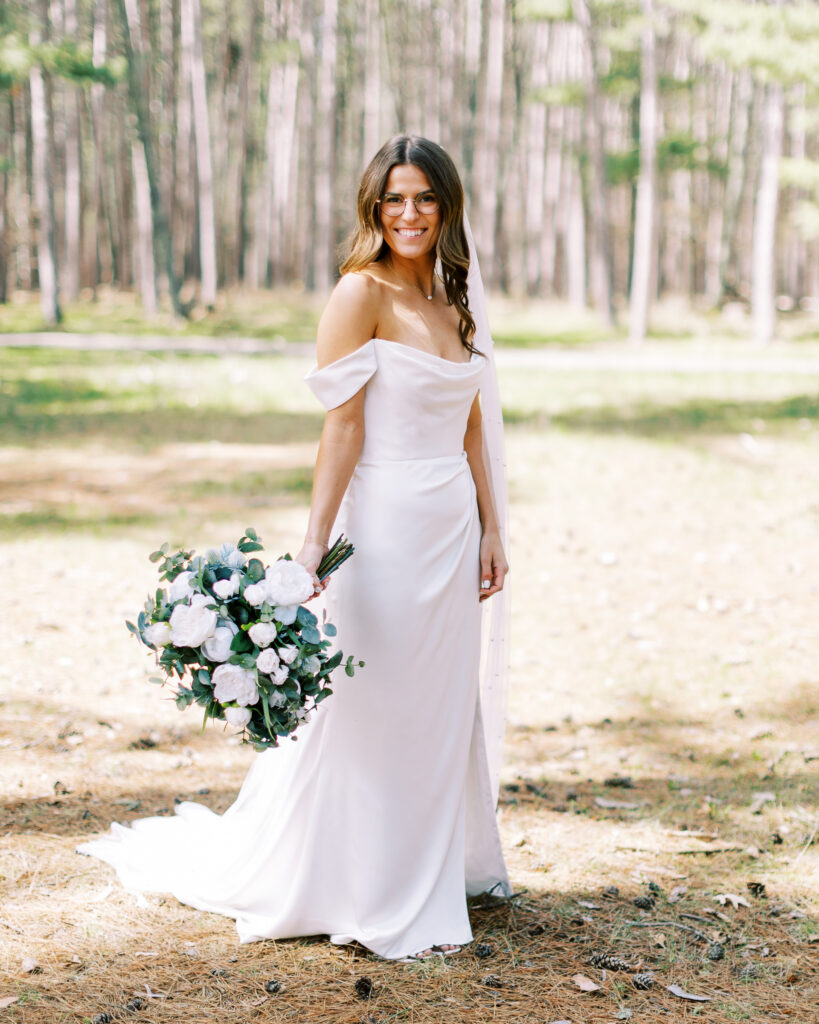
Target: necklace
{"type": "Point", "coordinates": [429, 297]}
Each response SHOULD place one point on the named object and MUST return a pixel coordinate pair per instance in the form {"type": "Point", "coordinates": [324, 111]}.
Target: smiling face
{"type": "Point", "coordinates": [411, 235]}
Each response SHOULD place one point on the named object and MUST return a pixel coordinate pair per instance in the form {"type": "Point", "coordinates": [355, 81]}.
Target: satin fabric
{"type": "Point", "coordinates": [380, 819]}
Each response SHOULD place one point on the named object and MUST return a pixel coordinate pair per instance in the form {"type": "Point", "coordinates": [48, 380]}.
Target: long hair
{"type": "Point", "coordinates": [366, 244]}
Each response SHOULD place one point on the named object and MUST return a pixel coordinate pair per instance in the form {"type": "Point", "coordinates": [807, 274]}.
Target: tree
{"type": "Point", "coordinates": [644, 213]}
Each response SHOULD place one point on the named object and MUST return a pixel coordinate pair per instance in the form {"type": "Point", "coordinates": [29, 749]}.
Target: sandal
{"type": "Point", "coordinates": [432, 951]}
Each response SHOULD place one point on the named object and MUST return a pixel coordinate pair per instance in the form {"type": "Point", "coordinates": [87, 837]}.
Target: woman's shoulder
{"type": "Point", "coordinates": [350, 317]}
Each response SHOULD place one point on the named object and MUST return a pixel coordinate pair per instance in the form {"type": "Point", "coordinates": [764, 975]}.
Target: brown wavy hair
{"type": "Point", "coordinates": [366, 244]}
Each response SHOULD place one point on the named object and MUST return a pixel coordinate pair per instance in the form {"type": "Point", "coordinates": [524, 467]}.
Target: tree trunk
{"type": "Point", "coordinates": [487, 150]}
{"type": "Point", "coordinates": [596, 189]}
{"type": "Point", "coordinates": [324, 156]}
{"type": "Point", "coordinates": [135, 52]}
{"type": "Point", "coordinates": [644, 211]}
{"type": "Point", "coordinates": [43, 187]}
{"type": "Point", "coordinates": [763, 282]}
{"type": "Point", "coordinates": [191, 41]}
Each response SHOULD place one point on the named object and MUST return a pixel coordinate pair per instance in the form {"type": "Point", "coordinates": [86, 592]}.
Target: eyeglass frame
{"type": "Point", "coordinates": [409, 199]}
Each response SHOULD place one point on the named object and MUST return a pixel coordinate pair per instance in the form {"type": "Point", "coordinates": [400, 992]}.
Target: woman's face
{"type": "Point", "coordinates": [410, 234]}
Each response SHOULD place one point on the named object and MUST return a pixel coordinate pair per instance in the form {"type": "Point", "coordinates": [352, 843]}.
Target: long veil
{"type": "Point", "coordinates": [495, 615]}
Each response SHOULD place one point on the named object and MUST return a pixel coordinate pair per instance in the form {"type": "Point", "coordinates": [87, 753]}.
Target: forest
{"type": "Point", "coordinates": [613, 151]}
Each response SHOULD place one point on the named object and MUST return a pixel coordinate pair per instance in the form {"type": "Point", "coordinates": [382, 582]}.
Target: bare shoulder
{"type": "Point", "coordinates": [350, 317]}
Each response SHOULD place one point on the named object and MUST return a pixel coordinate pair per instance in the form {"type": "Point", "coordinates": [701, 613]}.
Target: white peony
{"type": "Point", "coordinates": [158, 634]}
{"type": "Point", "coordinates": [255, 594]}
{"type": "Point", "coordinates": [311, 665]}
{"type": "Point", "coordinates": [227, 588]}
{"type": "Point", "coordinates": [233, 683]}
{"type": "Point", "coordinates": [288, 654]}
{"type": "Point", "coordinates": [286, 614]}
{"type": "Point", "coordinates": [288, 582]}
{"type": "Point", "coordinates": [181, 589]}
{"type": "Point", "coordinates": [217, 647]}
{"type": "Point", "coordinates": [268, 661]}
{"type": "Point", "coordinates": [262, 633]}
{"type": "Point", "coordinates": [237, 716]}
{"type": "Point", "coordinates": [277, 700]}
{"type": "Point", "coordinates": [279, 675]}
{"type": "Point", "coordinates": [192, 624]}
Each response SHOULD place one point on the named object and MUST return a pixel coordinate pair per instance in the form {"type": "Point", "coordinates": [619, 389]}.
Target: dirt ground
{"type": "Point", "coordinates": [663, 710]}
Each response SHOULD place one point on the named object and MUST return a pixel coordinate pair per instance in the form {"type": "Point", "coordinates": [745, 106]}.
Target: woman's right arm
{"type": "Point", "coordinates": [348, 322]}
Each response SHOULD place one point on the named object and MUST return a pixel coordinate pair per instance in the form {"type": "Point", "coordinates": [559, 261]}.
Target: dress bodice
{"type": "Point", "coordinates": [416, 405]}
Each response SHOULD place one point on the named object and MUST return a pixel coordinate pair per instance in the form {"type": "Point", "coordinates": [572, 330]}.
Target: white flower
{"type": "Point", "coordinates": [277, 700]}
{"type": "Point", "coordinates": [286, 613]}
{"type": "Point", "coordinates": [255, 594]}
{"type": "Point", "coordinates": [279, 675]}
{"type": "Point", "coordinates": [233, 683]}
{"type": "Point", "coordinates": [227, 588]}
{"type": "Point", "coordinates": [262, 633]}
{"type": "Point", "coordinates": [288, 582]}
{"type": "Point", "coordinates": [158, 634]}
{"type": "Point", "coordinates": [192, 624]}
{"type": "Point", "coordinates": [181, 589]}
{"type": "Point", "coordinates": [303, 714]}
{"type": "Point", "coordinates": [288, 654]}
{"type": "Point", "coordinates": [268, 661]}
{"type": "Point", "coordinates": [237, 716]}
{"type": "Point", "coordinates": [217, 647]}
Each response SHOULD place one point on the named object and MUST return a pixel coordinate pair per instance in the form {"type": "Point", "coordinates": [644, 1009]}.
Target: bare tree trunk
{"type": "Point", "coordinates": [535, 216]}
{"type": "Point", "coordinates": [191, 39]}
{"type": "Point", "coordinates": [275, 195]}
{"type": "Point", "coordinates": [43, 186]}
{"type": "Point", "coordinates": [716, 204]}
{"type": "Point", "coordinates": [644, 213]}
{"type": "Point", "coordinates": [738, 163]}
{"type": "Point", "coordinates": [487, 150]}
{"type": "Point", "coordinates": [763, 283]}
{"type": "Point", "coordinates": [135, 51]}
{"type": "Point", "coordinates": [324, 238]}
{"type": "Point", "coordinates": [597, 190]}
{"type": "Point", "coordinates": [144, 236]}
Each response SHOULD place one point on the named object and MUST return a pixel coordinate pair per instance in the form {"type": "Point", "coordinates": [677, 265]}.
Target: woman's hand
{"type": "Point", "coordinates": [494, 566]}
{"type": "Point", "coordinates": [310, 555]}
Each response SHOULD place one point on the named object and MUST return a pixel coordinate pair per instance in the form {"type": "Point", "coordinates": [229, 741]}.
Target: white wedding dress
{"type": "Point", "coordinates": [380, 819]}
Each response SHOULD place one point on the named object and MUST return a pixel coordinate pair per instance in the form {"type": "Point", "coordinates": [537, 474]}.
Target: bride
{"type": "Point", "coordinates": [378, 823]}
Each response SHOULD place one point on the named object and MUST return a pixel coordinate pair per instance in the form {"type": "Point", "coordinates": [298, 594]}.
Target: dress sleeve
{"type": "Point", "coordinates": [337, 382]}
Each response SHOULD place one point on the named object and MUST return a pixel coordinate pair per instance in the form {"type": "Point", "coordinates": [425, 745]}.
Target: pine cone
{"type": "Point", "coordinates": [102, 1018]}
{"type": "Point", "coordinates": [653, 887]}
{"type": "Point", "coordinates": [364, 987]}
{"type": "Point", "coordinates": [611, 892]}
{"type": "Point", "coordinates": [645, 902]}
{"type": "Point", "coordinates": [757, 889]}
{"type": "Point", "coordinates": [643, 981]}
{"type": "Point", "coordinates": [484, 949]}
{"type": "Point", "coordinates": [273, 987]}
{"type": "Point", "coordinates": [609, 962]}
{"type": "Point", "coordinates": [491, 981]}
{"type": "Point", "coordinates": [716, 951]}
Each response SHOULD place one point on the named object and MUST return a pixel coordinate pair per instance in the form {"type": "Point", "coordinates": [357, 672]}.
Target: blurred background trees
{"type": "Point", "coordinates": [613, 151]}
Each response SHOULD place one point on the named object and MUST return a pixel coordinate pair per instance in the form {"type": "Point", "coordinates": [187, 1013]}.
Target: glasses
{"type": "Point", "coordinates": [392, 205]}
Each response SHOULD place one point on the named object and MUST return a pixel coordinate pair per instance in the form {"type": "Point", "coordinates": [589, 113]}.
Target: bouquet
{"type": "Point", "coordinates": [235, 637]}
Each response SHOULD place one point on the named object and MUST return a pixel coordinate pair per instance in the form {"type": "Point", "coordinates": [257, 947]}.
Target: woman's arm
{"type": "Point", "coordinates": [348, 322]}
{"type": "Point", "coordinates": [494, 566]}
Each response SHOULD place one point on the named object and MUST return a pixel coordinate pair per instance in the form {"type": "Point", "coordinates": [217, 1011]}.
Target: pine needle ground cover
{"type": "Point", "coordinates": [659, 800]}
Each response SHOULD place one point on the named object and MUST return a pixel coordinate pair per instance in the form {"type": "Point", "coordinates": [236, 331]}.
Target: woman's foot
{"type": "Point", "coordinates": [445, 949]}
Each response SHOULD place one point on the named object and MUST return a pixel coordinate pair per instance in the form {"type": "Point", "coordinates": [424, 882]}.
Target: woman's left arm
{"type": "Point", "coordinates": [494, 566]}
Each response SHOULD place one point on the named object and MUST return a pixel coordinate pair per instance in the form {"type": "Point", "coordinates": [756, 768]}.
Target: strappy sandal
{"type": "Point", "coordinates": [433, 952]}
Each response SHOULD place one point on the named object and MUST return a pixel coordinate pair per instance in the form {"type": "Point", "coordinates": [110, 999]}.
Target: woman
{"type": "Point", "coordinates": [376, 824]}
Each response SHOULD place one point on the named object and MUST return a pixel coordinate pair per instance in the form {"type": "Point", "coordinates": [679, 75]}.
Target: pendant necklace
{"type": "Point", "coordinates": [429, 297]}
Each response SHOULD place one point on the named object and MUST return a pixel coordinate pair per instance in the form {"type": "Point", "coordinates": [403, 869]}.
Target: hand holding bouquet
{"type": "Point", "coordinates": [235, 637]}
